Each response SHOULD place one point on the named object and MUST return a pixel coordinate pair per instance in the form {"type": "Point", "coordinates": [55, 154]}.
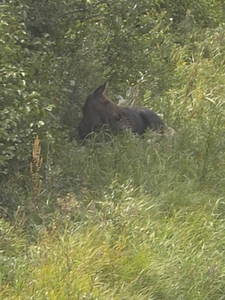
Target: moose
{"type": "Point", "coordinates": [99, 111]}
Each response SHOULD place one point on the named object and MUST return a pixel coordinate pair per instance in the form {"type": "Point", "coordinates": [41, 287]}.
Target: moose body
{"type": "Point", "coordinates": [99, 111]}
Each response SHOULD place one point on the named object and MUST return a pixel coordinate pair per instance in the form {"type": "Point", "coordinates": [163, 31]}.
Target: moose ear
{"type": "Point", "coordinates": [100, 90]}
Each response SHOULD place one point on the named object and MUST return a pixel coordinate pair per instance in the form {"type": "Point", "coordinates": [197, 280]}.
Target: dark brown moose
{"type": "Point", "coordinates": [99, 111]}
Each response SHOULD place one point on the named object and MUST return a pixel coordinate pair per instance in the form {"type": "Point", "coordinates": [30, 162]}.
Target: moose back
{"type": "Point", "coordinates": [99, 111]}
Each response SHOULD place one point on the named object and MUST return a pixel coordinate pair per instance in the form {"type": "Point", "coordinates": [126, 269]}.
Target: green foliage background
{"type": "Point", "coordinates": [55, 52]}
{"type": "Point", "coordinates": [127, 218]}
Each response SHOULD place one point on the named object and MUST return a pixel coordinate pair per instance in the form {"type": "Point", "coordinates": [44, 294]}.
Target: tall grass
{"type": "Point", "coordinates": [129, 218]}
{"type": "Point", "coordinates": [135, 220]}
{"type": "Point", "coordinates": [128, 250]}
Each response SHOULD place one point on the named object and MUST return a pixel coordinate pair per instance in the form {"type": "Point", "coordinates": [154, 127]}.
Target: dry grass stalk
{"type": "Point", "coordinates": [35, 167]}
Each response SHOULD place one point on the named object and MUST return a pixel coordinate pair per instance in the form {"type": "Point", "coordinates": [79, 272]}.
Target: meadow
{"type": "Point", "coordinates": [133, 218]}
{"type": "Point", "coordinates": [116, 217]}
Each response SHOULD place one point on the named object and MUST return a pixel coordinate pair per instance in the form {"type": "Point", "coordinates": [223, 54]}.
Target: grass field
{"type": "Point", "coordinates": [134, 220]}
{"type": "Point", "coordinates": [128, 218]}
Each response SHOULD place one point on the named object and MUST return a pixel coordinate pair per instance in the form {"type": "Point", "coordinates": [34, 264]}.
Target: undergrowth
{"type": "Point", "coordinates": [129, 217]}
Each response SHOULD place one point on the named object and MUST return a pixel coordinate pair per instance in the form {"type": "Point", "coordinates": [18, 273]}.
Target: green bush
{"type": "Point", "coordinates": [25, 113]}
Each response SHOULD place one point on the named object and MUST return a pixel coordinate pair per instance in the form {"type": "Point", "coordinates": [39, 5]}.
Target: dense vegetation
{"type": "Point", "coordinates": [128, 218]}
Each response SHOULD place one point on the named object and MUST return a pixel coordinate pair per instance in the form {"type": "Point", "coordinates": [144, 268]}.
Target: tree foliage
{"type": "Point", "coordinates": [55, 52]}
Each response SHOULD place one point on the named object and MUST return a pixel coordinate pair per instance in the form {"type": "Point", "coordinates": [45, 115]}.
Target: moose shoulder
{"type": "Point", "coordinates": [99, 111]}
